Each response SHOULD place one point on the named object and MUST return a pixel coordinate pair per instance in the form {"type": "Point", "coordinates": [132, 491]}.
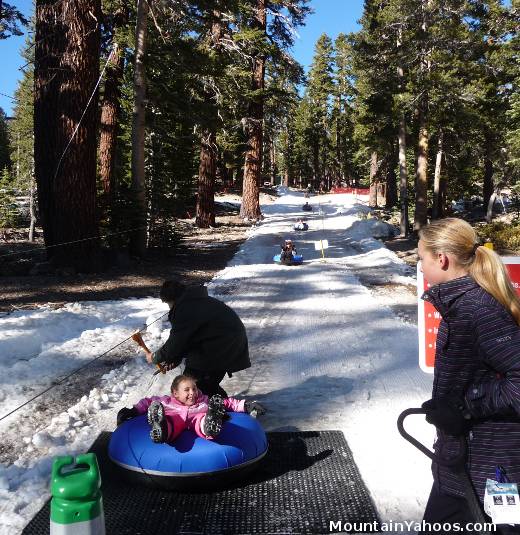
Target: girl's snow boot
{"type": "Point", "coordinates": [213, 420]}
{"type": "Point", "coordinates": [156, 419]}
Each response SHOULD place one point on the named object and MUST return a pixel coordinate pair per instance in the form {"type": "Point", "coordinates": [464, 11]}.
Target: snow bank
{"type": "Point", "coordinates": [326, 355]}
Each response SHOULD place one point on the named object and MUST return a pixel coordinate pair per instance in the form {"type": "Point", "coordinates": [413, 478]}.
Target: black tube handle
{"type": "Point", "coordinates": [454, 462]}
{"type": "Point", "coordinates": [457, 464]}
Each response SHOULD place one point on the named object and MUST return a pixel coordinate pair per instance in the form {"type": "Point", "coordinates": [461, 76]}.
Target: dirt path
{"type": "Point", "coordinates": [200, 254]}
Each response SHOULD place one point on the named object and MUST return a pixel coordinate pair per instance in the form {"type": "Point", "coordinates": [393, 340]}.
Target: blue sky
{"type": "Point", "coordinates": [11, 60]}
{"type": "Point", "coordinates": [330, 16]}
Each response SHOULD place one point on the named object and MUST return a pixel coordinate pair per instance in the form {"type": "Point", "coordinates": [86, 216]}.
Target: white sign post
{"type": "Point", "coordinates": [321, 245]}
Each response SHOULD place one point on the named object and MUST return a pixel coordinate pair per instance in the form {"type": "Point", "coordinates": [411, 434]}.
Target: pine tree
{"type": "Point", "coordinates": [66, 72]}
{"type": "Point", "coordinates": [282, 81]}
{"type": "Point", "coordinates": [305, 140]}
{"type": "Point", "coordinates": [212, 47]}
{"type": "Point", "coordinates": [263, 40]}
{"type": "Point", "coordinates": [513, 114]}
{"type": "Point", "coordinates": [114, 43]}
{"type": "Point", "coordinates": [10, 20]}
{"type": "Point", "coordinates": [342, 115]}
{"type": "Point", "coordinates": [250, 208]}
{"type": "Point", "coordinates": [22, 129]}
{"type": "Point", "coordinates": [375, 65]}
{"type": "Point", "coordinates": [138, 240]}
{"type": "Point", "coordinates": [22, 134]}
{"type": "Point", "coordinates": [8, 209]}
{"type": "Point", "coordinates": [320, 88]}
{"type": "Point", "coordinates": [490, 33]}
{"type": "Point", "coordinates": [176, 114]}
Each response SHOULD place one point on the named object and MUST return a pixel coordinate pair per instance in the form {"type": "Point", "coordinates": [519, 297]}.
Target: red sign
{"type": "Point", "coordinates": [429, 319]}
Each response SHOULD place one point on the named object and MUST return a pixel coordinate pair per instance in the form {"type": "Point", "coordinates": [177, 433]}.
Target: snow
{"type": "Point", "coordinates": [327, 353]}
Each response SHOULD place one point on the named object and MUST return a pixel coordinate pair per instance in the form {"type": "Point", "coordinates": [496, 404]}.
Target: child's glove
{"type": "Point", "coordinates": [126, 414]}
{"type": "Point", "coordinates": [449, 414]}
{"type": "Point", "coordinates": [250, 406]}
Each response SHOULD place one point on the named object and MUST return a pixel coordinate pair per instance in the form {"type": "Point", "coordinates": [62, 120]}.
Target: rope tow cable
{"type": "Point", "coordinates": [74, 372]}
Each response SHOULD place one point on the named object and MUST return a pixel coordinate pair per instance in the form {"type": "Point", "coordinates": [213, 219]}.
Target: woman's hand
{"type": "Point", "coordinates": [149, 357]}
{"type": "Point", "coordinates": [449, 414]}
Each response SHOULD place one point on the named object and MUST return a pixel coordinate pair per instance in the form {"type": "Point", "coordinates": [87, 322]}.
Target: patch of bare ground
{"type": "Point", "coordinates": [401, 298]}
{"type": "Point", "coordinates": [404, 248]}
{"type": "Point", "coordinates": [200, 254]}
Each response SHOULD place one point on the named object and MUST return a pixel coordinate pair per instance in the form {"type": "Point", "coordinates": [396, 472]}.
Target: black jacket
{"type": "Point", "coordinates": [206, 332]}
{"type": "Point", "coordinates": [477, 357]}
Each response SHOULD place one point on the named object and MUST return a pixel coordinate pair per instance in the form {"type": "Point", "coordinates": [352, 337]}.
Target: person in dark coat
{"type": "Point", "coordinates": [206, 332]}
{"type": "Point", "coordinates": [476, 385]}
{"type": "Point", "coordinates": [287, 253]}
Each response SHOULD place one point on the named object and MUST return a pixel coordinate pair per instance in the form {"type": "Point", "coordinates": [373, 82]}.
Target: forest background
{"type": "Point", "coordinates": [130, 113]}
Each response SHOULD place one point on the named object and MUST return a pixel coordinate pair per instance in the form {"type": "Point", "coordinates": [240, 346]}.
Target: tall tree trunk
{"type": "Point", "coordinates": [316, 160]}
{"type": "Point", "coordinates": [32, 209]}
{"type": "Point", "coordinates": [208, 149]}
{"type": "Point", "coordinates": [66, 72]}
{"type": "Point", "coordinates": [403, 177]}
{"type": "Point", "coordinates": [372, 199]}
{"type": "Point", "coordinates": [339, 151]}
{"type": "Point", "coordinates": [437, 210]}
{"type": "Point", "coordinates": [250, 208]}
{"type": "Point", "coordinates": [288, 157]}
{"type": "Point", "coordinates": [273, 161]}
{"type": "Point", "coordinates": [401, 138]}
{"type": "Point", "coordinates": [222, 171]}
{"type": "Point", "coordinates": [488, 168]}
{"type": "Point", "coordinates": [138, 237]}
{"type": "Point", "coordinates": [325, 174]}
{"type": "Point", "coordinates": [421, 179]}
{"type": "Point", "coordinates": [207, 171]}
{"type": "Point", "coordinates": [109, 120]}
{"type": "Point", "coordinates": [286, 178]}
{"type": "Point", "coordinates": [490, 204]}
{"type": "Point", "coordinates": [391, 180]}
{"type": "Point", "coordinates": [17, 143]}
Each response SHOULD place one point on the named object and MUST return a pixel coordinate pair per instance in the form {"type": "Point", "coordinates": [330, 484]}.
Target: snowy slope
{"type": "Point", "coordinates": [326, 353]}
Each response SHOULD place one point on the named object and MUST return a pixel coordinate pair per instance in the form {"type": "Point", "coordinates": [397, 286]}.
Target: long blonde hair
{"type": "Point", "coordinates": [456, 237]}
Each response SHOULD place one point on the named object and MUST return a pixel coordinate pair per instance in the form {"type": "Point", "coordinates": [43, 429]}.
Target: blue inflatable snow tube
{"type": "Point", "coordinates": [191, 462]}
{"type": "Point", "coordinates": [297, 259]}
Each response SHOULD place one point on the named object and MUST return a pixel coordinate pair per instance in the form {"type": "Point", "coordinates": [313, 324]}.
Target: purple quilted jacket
{"type": "Point", "coordinates": [477, 357]}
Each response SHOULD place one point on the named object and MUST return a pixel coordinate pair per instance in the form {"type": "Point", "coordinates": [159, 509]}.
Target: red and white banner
{"type": "Point", "coordinates": [360, 192]}
{"type": "Point", "coordinates": [429, 319]}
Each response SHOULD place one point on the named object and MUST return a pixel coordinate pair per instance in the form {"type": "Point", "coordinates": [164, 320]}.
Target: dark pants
{"type": "Point", "coordinates": [207, 382]}
{"type": "Point", "coordinates": [443, 508]}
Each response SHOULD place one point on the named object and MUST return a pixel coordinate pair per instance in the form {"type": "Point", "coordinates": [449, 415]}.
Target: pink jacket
{"type": "Point", "coordinates": [172, 406]}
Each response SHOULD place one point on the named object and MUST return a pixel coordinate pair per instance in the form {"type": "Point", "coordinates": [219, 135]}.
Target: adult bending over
{"type": "Point", "coordinates": [206, 332]}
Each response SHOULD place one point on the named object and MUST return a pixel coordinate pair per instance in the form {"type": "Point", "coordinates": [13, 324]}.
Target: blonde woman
{"type": "Point", "coordinates": [476, 387]}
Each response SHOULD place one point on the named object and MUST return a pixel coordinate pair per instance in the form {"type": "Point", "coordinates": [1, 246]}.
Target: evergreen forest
{"type": "Point", "coordinates": [131, 114]}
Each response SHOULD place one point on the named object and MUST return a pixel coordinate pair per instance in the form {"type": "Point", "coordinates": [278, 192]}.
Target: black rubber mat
{"type": "Point", "coordinates": [306, 480]}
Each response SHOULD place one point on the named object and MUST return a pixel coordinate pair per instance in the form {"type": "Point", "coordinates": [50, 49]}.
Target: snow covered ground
{"type": "Point", "coordinates": [327, 353]}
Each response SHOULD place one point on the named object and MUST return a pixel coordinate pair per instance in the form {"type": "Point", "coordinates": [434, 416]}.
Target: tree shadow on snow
{"type": "Point", "coordinates": [309, 398]}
